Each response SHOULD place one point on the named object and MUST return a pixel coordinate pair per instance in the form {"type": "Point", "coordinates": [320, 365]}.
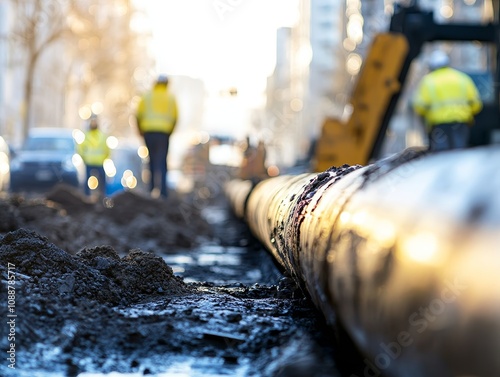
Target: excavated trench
{"type": "Point", "coordinates": [138, 286]}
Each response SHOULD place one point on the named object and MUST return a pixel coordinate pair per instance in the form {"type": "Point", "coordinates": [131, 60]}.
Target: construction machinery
{"type": "Point", "coordinates": [382, 78]}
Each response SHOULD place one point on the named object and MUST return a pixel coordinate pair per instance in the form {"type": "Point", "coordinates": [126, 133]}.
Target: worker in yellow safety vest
{"type": "Point", "coordinates": [94, 151]}
{"type": "Point", "coordinates": [448, 100]}
{"type": "Point", "coordinates": [156, 120]}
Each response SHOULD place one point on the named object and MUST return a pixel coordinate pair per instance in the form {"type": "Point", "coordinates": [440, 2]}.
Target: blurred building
{"type": "Point", "coordinates": [4, 50]}
{"type": "Point", "coordinates": [278, 127]}
{"type": "Point", "coordinates": [8, 97]}
{"type": "Point", "coordinates": [302, 89]}
{"type": "Point", "coordinates": [326, 24]}
{"type": "Point", "coordinates": [318, 60]}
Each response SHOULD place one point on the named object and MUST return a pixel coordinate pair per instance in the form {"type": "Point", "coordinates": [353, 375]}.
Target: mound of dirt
{"type": "Point", "coordinates": [96, 274]}
{"type": "Point", "coordinates": [70, 198]}
{"type": "Point", "coordinates": [138, 273]}
{"type": "Point", "coordinates": [126, 220]}
{"type": "Point", "coordinates": [8, 217]}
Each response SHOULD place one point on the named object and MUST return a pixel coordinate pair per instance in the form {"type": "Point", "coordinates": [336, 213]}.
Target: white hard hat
{"type": "Point", "coordinates": [162, 79]}
{"type": "Point", "coordinates": [438, 59]}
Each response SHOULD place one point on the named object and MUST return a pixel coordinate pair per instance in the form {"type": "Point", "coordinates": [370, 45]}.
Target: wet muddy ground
{"type": "Point", "coordinates": [139, 286]}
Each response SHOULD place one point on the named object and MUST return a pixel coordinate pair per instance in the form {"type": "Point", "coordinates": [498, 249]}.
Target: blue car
{"type": "Point", "coordinates": [124, 169]}
{"type": "Point", "coordinates": [48, 157]}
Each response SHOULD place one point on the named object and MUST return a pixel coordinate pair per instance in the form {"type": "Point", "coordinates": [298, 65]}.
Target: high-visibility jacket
{"type": "Point", "coordinates": [447, 95]}
{"type": "Point", "coordinates": [157, 111]}
{"type": "Point", "coordinates": [94, 149]}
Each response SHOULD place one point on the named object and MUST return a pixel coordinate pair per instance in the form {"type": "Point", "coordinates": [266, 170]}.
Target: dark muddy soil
{"type": "Point", "coordinates": [140, 286]}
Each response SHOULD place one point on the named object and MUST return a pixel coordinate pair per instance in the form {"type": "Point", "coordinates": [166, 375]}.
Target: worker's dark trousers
{"type": "Point", "coordinates": [98, 172]}
{"type": "Point", "coordinates": [157, 144]}
{"type": "Point", "coordinates": [449, 136]}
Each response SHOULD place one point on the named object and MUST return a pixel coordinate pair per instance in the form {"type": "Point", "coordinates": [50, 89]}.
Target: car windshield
{"type": "Point", "coordinates": [49, 144]}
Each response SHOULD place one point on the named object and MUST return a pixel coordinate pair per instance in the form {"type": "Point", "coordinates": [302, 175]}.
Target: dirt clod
{"type": "Point", "coordinates": [97, 274]}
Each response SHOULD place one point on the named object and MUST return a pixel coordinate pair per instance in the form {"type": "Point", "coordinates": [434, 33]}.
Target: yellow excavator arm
{"type": "Point", "coordinates": [351, 142]}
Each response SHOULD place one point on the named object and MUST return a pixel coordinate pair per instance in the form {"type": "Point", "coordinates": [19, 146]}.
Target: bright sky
{"type": "Point", "coordinates": [223, 42]}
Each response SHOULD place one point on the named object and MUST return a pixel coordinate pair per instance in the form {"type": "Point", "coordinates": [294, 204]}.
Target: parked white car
{"type": "Point", "coordinates": [4, 165]}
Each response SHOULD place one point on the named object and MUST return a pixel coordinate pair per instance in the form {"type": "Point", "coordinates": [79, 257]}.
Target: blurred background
{"type": "Point", "coordinates": [243, 71]}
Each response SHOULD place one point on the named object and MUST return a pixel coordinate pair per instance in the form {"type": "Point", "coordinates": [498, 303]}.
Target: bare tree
{"type": "Point", "coordinates": [111, 52]}
{"type": "Point", "coordinates": [39, 24]}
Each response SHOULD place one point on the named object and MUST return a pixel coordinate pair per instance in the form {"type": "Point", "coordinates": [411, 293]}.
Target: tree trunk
{"type": "Point", "coordinates": [28, 95]}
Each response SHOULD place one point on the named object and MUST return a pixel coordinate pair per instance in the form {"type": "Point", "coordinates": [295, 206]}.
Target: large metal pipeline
{"type": "Point", "coordinates": [403, 253]}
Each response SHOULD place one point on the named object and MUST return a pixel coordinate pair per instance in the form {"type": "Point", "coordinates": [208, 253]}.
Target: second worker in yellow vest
{"type": "Point", "coordinates": [94, 150]}
{"type": "Point", "coordinates": [447, 100]}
